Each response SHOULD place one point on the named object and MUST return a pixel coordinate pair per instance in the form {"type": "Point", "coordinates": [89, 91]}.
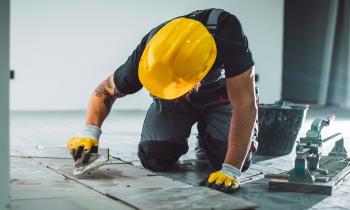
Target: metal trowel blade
{"type": "Point", "coordinates": [94, 163]}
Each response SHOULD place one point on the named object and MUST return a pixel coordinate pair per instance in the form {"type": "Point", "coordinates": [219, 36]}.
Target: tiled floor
{"type": "Point", "coordinates": [121, 133]}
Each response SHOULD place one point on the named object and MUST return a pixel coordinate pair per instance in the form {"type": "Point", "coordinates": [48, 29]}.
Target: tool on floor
{"type": "Point", "coordinates": [314, 171]}
{"type": "Point", "coordinates": [95, 161]}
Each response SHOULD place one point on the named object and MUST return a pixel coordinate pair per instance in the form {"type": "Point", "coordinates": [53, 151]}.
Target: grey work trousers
{"type": "Point", "coordinates": [167, 127]}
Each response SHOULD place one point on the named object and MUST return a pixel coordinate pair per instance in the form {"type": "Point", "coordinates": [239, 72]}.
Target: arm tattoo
{"type": "Point", "coordinates": [101, 89]}
{"type": "Point", "coordinates": [108, 83]}
{"type": "Point", "coordinates": [108, 101]}
{"type": "Point", "coordinates": [104, 90]}
{"type": "Point", "coordinates": [110, 93]}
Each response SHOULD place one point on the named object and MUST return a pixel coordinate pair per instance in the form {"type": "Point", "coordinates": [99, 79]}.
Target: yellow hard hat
{"type": "Point", "coordinates": [177, 58]}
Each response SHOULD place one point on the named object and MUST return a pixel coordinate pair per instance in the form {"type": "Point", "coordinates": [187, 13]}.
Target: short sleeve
{"type": "Point", "coordinates": [126, 76]}
{"type": "Point", "coordinates": [233, 48]}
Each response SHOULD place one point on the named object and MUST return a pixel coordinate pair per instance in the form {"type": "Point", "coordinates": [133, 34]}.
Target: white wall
{"type": "Point", "coordinates": [62, 49]}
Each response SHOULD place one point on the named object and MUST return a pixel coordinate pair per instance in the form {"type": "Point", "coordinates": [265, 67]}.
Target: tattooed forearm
{"type": "Point", "coordinates": [107, 91]}
{"type": "Point", "coordinates": [108, 88]}
{"type": "Point", "coordinates": [101, 102]}
{"type": "Point", "coordinates": [108, 102]}
{"type": "Point", "coordinates": [101, 90]}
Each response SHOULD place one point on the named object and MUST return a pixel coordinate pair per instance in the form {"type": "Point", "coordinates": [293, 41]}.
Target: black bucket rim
{"type": "Point", "coordinates": [281, 104]}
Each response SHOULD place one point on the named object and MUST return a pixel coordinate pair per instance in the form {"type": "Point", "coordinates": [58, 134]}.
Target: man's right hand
{"type": "Point", "coordinates": [85, 143]}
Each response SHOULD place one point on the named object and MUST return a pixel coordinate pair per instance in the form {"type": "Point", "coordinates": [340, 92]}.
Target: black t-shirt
{"type": "Point", "coordinates": [233, 54]}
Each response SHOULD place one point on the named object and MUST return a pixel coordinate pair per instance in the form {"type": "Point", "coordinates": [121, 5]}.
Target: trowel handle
{"type": "Point", "coordinates": [326, 121]}
{"type": "Point", "coordinates": [317, 126]}
{"type": "Point", "coordinates": [329, 119]}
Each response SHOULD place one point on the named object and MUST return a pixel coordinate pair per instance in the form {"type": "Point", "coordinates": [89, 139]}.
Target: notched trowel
{"type": "Point", "coordinates": [95, 161]}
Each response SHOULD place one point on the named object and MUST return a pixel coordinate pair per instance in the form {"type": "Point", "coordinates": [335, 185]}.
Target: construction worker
{"type": "Point", "coordinates": [198, 69]}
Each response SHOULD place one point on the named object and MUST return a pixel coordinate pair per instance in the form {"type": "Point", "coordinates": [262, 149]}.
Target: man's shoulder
{"type": "Point", "coordinates": [202, 16]}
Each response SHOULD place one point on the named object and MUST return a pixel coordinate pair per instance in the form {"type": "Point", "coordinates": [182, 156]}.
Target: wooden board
{"type": "Point", "coordinates": [282, 185]}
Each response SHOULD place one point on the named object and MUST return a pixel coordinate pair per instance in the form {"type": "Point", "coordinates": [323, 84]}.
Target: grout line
{"type": "Point", "coordinates": [270, 166]}
{"type": "Point", "coordinates": [117, 158]}
{"type": "Point", "coordinates": [255, 177]}
{"type": "Point", "coordinates": [29, 199]}
{"type": "Point", "coordinates": [44, 157]}
{"type": "Point", "coordinates": [111, 162]}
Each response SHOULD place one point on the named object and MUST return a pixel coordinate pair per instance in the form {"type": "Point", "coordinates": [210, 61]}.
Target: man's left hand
{"type": "Point", "coordinates": [226, 180]}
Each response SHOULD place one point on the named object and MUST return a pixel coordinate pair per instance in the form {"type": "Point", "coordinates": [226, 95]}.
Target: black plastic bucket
{"type": "Point", "coordinates": [279, 125]}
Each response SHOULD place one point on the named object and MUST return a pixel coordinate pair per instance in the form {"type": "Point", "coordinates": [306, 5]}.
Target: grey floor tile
{"type": "Point", "coordinates": [36, 187]}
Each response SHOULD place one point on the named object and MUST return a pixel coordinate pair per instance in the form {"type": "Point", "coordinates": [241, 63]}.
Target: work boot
{"type": "Point", "coordinates": [199, 152]}
{"type": "Point", "coordinates": [201, 155]}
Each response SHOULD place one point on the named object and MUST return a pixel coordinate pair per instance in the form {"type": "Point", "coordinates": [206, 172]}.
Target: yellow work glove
{"type": "Point", "coordinates": [84, 143]}
{"type": "Point", "coordinates": [226, 180]}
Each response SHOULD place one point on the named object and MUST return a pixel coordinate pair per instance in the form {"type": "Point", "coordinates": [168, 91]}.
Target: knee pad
{"type": "Point", "coordinates": [160, 155]}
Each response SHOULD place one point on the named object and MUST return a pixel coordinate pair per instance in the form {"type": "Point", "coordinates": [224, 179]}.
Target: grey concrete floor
{"type": "Point", "coordinates": [121, 133]}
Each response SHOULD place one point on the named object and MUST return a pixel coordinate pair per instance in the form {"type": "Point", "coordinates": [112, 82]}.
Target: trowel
{"type": "Point", "coordinates": [95, 161]}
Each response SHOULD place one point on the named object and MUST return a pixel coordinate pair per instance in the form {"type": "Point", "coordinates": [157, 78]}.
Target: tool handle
{"type": "Point", "coordinates": [326, 121]}
{"type": "Point", "coordinates": [318, 124]}
{"type": "Point", "coordinates": [329, 119]}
